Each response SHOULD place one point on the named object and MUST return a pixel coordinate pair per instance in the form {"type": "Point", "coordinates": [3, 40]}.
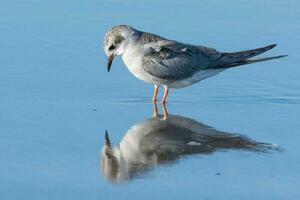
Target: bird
{"type": "Point", "coordinates": [168, 63]}
{"type": "Point", "coordinates": [156, 141]}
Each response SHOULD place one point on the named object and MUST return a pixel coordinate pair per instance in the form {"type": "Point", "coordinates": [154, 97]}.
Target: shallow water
{"type": "Point", "coordinates": [57, 100]}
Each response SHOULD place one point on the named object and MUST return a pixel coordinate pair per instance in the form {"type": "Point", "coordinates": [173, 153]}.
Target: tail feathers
{"type": "Point", "coordinates": [250, 61]}
{"type": "Point", "coordinates": [243, 55]}
{"type": "Point", "coordinates": [227, 60]}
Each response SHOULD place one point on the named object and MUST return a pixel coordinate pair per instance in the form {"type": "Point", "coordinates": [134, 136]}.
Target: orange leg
{"type": "Point", "coordinates": [155, 111]}
{"type": "Point", "coordinates": [165, 111]}
{"type": "Point", "coordinates": [163, 101]}
{"type": "Point", "coordinates": [155, 93]}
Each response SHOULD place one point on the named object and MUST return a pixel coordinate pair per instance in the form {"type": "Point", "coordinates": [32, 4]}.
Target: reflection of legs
{"type": "Point", "coordinates": [155, 93]}
{"type": "Point", "coordinates": [155, 112]}
{"type": "Point", "coordinates": [165, 94]}
{"type": "Point", "coordinates": [165, 111]}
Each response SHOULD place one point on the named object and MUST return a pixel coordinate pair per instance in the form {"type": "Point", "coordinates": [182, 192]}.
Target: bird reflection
{"type": "Point", "coordinates": [163, 139]}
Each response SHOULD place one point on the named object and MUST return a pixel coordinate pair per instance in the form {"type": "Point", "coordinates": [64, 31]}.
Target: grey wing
{"type": "Point", "coordinates": [172, 60]}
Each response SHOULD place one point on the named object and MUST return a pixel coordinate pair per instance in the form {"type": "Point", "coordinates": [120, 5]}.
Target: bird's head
{"type": "Point", "coordinates": [115, 41]}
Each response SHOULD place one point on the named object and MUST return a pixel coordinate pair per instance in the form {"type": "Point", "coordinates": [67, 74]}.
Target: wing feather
{"type": "Point", "coordinates": [166, 59]}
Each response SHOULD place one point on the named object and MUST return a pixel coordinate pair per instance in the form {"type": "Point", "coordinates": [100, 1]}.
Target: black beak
{"type": "Point", "coordinates": [109, 61]}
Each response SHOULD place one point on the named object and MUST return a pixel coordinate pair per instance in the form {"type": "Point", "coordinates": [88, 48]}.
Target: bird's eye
{"type": "Point", "coordinates": [112, 47]}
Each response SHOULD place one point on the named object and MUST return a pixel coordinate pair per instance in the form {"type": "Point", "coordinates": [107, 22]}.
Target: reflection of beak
{"type": "Point", "coordinates": [107, 140]}
{"type": "Point", "coordinates": [109, 61]}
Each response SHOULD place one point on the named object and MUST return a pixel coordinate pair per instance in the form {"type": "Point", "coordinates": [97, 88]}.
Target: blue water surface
{"type": "Point", "coordinates": [57, 100]}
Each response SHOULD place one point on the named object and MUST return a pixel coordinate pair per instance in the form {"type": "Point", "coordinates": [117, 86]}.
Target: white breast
{"type": "Point", "coordinates": [133, 61]}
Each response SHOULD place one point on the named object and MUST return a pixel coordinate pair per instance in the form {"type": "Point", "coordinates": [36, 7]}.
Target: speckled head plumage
{"type": "Point", "coordinates": [115, 41]}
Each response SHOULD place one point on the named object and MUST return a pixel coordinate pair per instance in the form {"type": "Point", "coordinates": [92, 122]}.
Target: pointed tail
{"type": "Point", "coordinates": [234, 59]}
{"type": "Point", "coordinates": [254, 60]}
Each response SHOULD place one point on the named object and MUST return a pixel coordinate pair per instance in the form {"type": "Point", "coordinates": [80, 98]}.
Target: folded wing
{"type": "Point", "coordinates": [174, 61]}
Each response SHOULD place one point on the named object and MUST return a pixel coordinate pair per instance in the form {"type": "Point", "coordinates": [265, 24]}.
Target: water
{"type": "Point", "coordinates": [57, 100]}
